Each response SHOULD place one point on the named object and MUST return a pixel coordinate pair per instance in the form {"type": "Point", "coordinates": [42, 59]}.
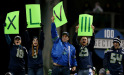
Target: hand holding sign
{"type": "Point", "coordinates": [93, 28]}
{"type": "Point", "coordinates": [85, 22]}
{"type": "Point", "coordinates": [59, 15]}
{"type": "Point", "coordinates": [12, 23]}
{"type": "Point", "coordinates": [76, 28]}
{"type": "Point", "coordinates": [52, 18]}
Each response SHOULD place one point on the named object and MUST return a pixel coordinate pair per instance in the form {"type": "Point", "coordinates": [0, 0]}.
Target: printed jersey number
{"type": "Point", "coordinates": [84, 52]}
{"type": "Point", "coordinates": [35, 55]}
{"type": "Point", "coordinates": [116, 57]}
{"type": "Point", "coordinates": [20, 53]}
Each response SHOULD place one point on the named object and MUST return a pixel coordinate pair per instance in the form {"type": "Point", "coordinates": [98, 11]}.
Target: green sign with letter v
{"type": "Point", "coordinates": [59, 15]}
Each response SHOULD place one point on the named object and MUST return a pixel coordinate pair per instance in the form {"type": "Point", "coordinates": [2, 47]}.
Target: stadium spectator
{"type": "Point", "coordinates": [97, 8]}
{"type": "Point", "coordinates": [63, 53]}
{"type": "Point", "coordinates": [113, 59]}
{"type": "Point", "coordinates": [84, 52]}
{"type": "Point", "coordinates": [18, 55]}
{"type": "Point", "coordinates": [35, 47]}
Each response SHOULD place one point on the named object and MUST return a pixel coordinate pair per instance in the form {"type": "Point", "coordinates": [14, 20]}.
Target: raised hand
{"type": "Point", "coordinates": [76, 28]}
{"type": "Point", "coordinates": [93, 28]}
{"type": "Point", "coordinates": [52, 18]}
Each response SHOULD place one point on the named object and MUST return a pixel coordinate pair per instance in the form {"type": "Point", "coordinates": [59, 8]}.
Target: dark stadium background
{"type": "Point", "coordinates": [72, 9]}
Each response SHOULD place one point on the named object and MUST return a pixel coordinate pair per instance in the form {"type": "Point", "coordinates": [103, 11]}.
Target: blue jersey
{"type": "Point", "coordinates": [113, 60]}
{"type": "Point", "coordinates": [17, 56]}
{"type": "Point", "coordinates": [35, 61]}
{"type": "Point", "coordinates": [63, 53]}
{"type": "Point", "coordinates": [84, 53]}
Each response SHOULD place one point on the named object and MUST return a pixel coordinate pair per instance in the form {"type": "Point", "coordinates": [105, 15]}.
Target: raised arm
{"type": "Point", "coordinates": [74, 40]}
{"type": "Point", "coordinates": [92, 41]}
{"type": "Point", "coordinates": [8, 39]}
{"type": "Point", "coordinates": [54, 31]}
{"type": "Point", "coordinates": [41, 38]}
{"type": "Point", "coordinates": [27, 39]}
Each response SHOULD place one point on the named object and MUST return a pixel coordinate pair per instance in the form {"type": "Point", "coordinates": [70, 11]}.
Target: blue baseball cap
{"type": "Point", "coordinates": [65, 33]}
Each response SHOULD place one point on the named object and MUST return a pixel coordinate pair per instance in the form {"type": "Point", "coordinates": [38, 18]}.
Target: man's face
{"type": "Point", "coordinates": [17, 41]}
{"type": "Point", "coordinates": [84, 41]}
{"type": "Point", "coordinates": [116, 45]}
{"type": "Point", "coordinates": [65, 38]}
{"type": "Point", "coordinates": [35, 42]}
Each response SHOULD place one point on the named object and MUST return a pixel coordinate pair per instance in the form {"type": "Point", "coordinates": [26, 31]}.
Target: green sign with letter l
{"type": "Point", "coordinates": [33, 15]}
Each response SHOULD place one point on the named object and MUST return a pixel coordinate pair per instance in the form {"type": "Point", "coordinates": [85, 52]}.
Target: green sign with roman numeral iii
{"type": "Point", "coordinates": [85, 22]}
{"type": "Point", "coordinates": [33, 15]}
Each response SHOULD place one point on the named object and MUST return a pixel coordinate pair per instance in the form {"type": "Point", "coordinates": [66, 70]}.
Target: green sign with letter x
{"type": "Point", "coordinates": [12, 23]}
